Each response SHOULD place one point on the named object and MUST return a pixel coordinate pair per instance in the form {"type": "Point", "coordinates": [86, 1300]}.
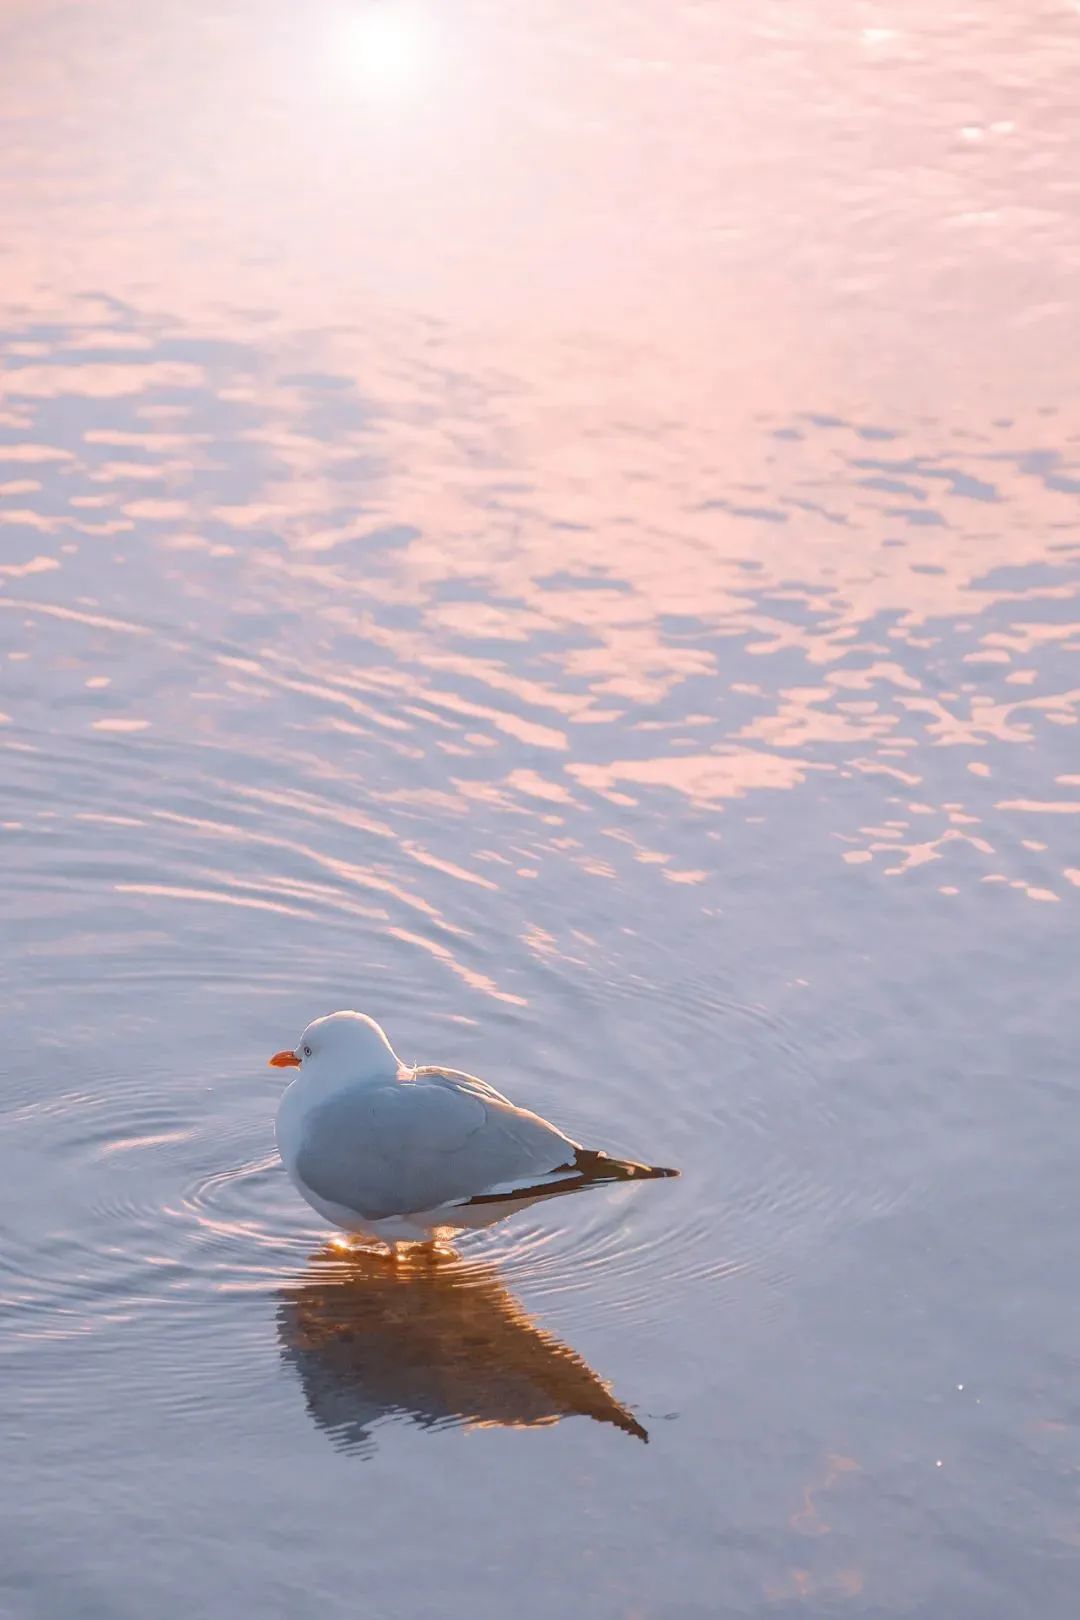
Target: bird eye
{"type": "Point", "coordinates": [307, 1051]}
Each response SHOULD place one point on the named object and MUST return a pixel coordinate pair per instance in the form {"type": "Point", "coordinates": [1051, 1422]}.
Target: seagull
{"type": "Point", "coordinates": [413, 1155]}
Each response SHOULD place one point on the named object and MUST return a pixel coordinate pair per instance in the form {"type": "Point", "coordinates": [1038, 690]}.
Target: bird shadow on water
{"type": "Point", "coordinates": [430, 1338]}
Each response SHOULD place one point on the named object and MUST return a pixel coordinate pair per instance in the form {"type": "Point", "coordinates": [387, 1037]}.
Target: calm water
{"type": "Point", "coordinates": [559, 530]}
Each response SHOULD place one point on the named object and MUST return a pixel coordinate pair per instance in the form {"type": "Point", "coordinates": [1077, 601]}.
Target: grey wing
{"type": "Point", "coordinates": [460, 1081]}
{"type": "Point", "coordinates": [418, 1144]}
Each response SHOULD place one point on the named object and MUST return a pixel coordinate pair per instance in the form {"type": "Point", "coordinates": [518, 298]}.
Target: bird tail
{"type": "Point", "coordinates": [585, 1169]}
{"type": "Point", "coordinates": [593, 1167]}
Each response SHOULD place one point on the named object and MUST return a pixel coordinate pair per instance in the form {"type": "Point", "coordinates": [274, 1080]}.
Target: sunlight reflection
{"type": "Point", "coordinates": [385, 48]}
{"type": "Point", "coordinates": [522, 642]}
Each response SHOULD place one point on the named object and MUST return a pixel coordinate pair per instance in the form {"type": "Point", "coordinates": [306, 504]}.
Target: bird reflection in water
{"type": "Point", "coordinates": [432, 1339]}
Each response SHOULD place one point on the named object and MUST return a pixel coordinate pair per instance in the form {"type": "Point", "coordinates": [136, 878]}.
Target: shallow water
{"type": "Point", "coordinates": [559, 531]}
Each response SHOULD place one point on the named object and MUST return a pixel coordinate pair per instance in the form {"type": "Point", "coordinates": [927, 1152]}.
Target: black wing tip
{"type": "Point", "coordinates": [595, 1166]}
{"type": "Point", "coordinates": [588, 1169]}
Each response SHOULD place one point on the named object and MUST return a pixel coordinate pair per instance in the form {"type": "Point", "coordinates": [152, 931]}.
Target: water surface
{"type": "Point", "coordinates": [559, 531]}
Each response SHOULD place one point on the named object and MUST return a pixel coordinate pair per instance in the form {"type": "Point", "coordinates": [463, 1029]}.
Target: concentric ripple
{"type": "Point", "coordinates": [158, 1201]}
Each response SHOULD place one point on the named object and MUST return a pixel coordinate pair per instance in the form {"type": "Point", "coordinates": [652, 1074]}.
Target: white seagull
{"type": "Point", "coordinates": [412, 1155]}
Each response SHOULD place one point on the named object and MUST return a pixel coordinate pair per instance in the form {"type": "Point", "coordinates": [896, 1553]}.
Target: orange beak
{"type": "Point", "coordinates": [285, 1060]}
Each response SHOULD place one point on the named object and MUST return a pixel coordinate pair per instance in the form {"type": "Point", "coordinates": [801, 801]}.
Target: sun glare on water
{"type": "Point", "coordinates": [386, 47]}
